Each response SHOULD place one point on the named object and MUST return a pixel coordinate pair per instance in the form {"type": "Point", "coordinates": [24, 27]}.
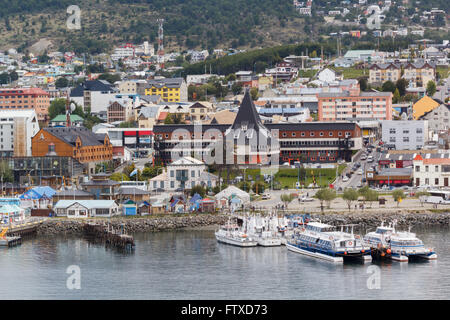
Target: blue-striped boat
{"type": "Point", "coordinates": [323, 241]}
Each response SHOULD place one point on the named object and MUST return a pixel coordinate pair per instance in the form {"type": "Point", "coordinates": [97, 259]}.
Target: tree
{"type": "Point", "coordinates": [431, 88]}
{"type": "Point", "coordinates": [258, 187]}
{"type": "Point", "coordinates": [326, 195]}
{"type": "Point", "coordinates": [286, 199]}
{"type": "Point", "coordinates": [401, 85]}
{"type": "Point", "coordinates": [118, 176]}
{"type": "Point", "coordinates": [388, 86]}
{"type": "Point", "coordinates": [5, 172]}
{"type": "Point", "coordinates": [198, 189]}
{"type": "Point", "coordinates": [150, 172]}
{"type": "Point", "coordinates": [371, 196]}
{"type": "Point", "coordinates": [396, 97]}
{"type": "Point", "coordinates": [244, 185]}
{"type": "Point", "coordinates": [254, 93]}
{"type": "Point", "coordinates": [422, 195]}
{"type": "Point", "coordinates": [57, 107]}
{"type": "Point", "coordinates": [363, 84]}
{"type": "Point", "coordinates": [364, 191]}
{"type": "Point", "coordinates": [62, 83]}
{"type": "Point", "coordinates": [349, 196]}
{"type": "Point", "coordinates": [236, 88]}
{"type": "Point", "coordinates": [111, 78]}
{"type": "Point", "coordinates": [398, 195]}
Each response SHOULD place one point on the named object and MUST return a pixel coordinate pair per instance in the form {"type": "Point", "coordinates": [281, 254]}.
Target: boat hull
{"type": "Point", "coordinates": [236, 242]}
{"type": "Point", "coordinates": [271, 242]}
{"type": "Point", "coordinates": [317, 255]}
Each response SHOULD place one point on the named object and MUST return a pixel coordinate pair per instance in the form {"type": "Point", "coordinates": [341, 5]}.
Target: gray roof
{"type": "Point", "coordinates": [169, 83]}
{"type": "Point", "coordinates": [149, 112]}
{"type": "Point", "coordinates": [132, 191]}
{"type": "Point", "coordinates": [70, 135]}
{"type": "Point", "coordinates": [71, 193]}
{"type": "Point", "coordinates": [396, 172]}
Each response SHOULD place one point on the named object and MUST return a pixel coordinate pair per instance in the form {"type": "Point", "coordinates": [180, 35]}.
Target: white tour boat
{"type": "Point", "coordinates": [398, 245]}
{"type": "Point", "coordinates": [322, 241]}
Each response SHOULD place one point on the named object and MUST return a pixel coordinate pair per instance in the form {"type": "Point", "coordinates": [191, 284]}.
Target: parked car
{"type": "Point", "coordinates": [345, 178]}
{"type": "Point", "coordinates": [304, 198]}
{"type": "Point", "coordinates": [360, 172]}
{"type": "Point", "coordinates": [265, 196]}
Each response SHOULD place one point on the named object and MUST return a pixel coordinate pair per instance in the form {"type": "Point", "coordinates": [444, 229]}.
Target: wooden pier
{"type": "Point", "coordinates": [109, 236]}
{"type": "Point", "coordinates": [26, 229]}
{"type": "Point", "coordinates": [10, 241]}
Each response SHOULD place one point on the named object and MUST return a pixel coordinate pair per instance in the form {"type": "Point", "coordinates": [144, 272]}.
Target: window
{"type": "Point", "coordinates": [426, 168]}
{"type": "Point", "coordinates": [312, 134]}
{"type": "Point", "coordinates": [417, 168]}
{"type": "Point", "coordinates": [172, 184]}
{"type": "Point", "coordinates": [436, 181]}
{"type": "Point", "coordinates": [405, 139]}
{"type": "Point", "coordinates": [392, 131]}
{"type": "Point", "coordinates": [193, 174]}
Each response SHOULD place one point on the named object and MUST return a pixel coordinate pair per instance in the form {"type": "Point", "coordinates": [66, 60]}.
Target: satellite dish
{"type": "Point", "coordinates": [72, 107]}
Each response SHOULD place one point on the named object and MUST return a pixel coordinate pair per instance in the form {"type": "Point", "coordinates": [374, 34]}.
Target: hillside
{"type": "Point", "coordinates": [188, 23]}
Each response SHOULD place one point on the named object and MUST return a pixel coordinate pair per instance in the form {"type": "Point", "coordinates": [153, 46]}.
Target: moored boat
{"type": "Point", "coordinates": [232, 234]}
{"type": "Point", "coordinates": [398, 245]}
{"type": "Point", "coordinates": [323, 241]}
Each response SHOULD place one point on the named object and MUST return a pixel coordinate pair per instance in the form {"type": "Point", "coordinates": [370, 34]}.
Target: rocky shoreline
{"type": "Point", "coordinates": [57, 226]}
{"type": "Point", "coordinates": [404, 219]}
{"type": "Point", "coordinates": [132, 225]}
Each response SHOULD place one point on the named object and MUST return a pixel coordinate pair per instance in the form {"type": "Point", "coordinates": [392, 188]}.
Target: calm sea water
{"type": "Point", "coordinates": [192, 265]}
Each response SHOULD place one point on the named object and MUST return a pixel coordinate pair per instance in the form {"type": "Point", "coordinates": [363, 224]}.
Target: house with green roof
{"type": "Point", "coordinates": [60, 121]}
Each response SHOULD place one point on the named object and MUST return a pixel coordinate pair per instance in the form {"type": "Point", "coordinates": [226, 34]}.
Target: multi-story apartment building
{"type": "Point", "coordinates": [25, 99]}
{"type": "Point", "coordinates": [354, 105]}
{"type": "Point", "coordinates": [17, 127]}
{"type": "Point", "coordinates": [120, 111]}
{"type": "Point", "coordinates": [94, 95]}
{"type": "Point", "coordinates": [170, 90]}
{"type": "Point", "coordinates": [404, 135]}
{"type": "Point", "coordinates": [438, 118]}
{"type": "Point", "coordinates": [419, 73]}
{"type": "Point", "coordinates": [382, 72]}
{"type": "Point", "coordinates": [433, 172]}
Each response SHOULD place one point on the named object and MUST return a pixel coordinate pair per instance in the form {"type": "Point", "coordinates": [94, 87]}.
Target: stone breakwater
{"type": "Point", "coordinates": [152, 224]}
{"type": "Point", "coordinates": [372, 220]}
{"type": "Point", "coordinates": [133, 225]}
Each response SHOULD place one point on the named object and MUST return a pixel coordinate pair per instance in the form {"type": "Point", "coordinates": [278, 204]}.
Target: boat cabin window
{"type": "Point", "coordinates": [381, 231]}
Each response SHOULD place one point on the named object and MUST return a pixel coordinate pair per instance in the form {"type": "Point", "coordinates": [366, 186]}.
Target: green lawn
{"type": "Point", "coordinates": [287, 177]}
{"type": "Point", "coordinates": [352, 73]}
{"type": "Point", "coordinates": [443, 71]}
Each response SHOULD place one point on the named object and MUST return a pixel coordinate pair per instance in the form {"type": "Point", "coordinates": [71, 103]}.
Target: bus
{"type": "Point", "coordinates": [134, 184]}
{"type": "Point", "coordinates": [439, 196]}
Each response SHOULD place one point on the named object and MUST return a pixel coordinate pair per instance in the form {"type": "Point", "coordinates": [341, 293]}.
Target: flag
{"type": "Point", "coordinates": [133, 172]}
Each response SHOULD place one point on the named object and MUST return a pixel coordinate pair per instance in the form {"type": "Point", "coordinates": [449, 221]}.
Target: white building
{"type": "Point", "coordinates": [16, 130]}
{"type": "Point", "coordinates": [434, 172]}
{"type": "Point", "coordinates": [86, 208]}
{"type": "Point", "coordinates": [122, 53]}
{"type": "Point", "coordinates": [404, 135]}
{"type": "Point", "coordinates": [183, 174]}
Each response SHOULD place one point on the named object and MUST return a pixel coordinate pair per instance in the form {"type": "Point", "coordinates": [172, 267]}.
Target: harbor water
{"type": "Point", "coordinates": [191, 264]}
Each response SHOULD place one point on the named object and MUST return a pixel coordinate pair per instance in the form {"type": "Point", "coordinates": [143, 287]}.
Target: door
{"type": "Point", "coordinates": [445, 182]}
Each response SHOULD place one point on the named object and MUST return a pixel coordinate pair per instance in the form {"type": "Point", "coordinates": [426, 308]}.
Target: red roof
{"type": "Point", "coordinates": [418, 158]}
{"type": "Point", "coordinates": [163, 115]}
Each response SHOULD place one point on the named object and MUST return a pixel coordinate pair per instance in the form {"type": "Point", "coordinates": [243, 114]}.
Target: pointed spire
{"type": "Point", "coordinates": [247, 113]}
